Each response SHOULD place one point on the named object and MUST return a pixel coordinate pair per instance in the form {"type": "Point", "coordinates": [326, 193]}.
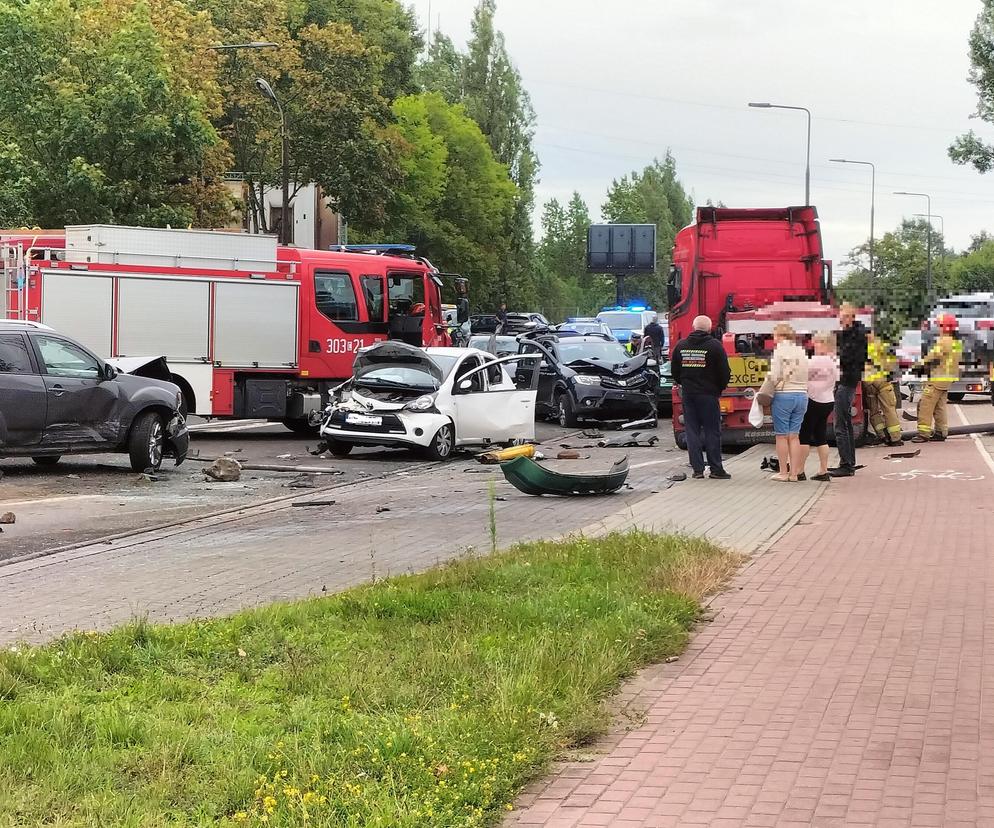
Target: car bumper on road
{"type": "Point", "coordinates": [178, 438]}
{"type": "Point", "coordinates": [394, 429]}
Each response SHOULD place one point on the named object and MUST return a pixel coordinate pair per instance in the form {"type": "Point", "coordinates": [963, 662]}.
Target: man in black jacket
{"type": "Point", "coordinates": [656, 335]}
{"type": "Point", "coordinates": [700, 367]}
{"type": "Point", "coordinates": [852, 344]}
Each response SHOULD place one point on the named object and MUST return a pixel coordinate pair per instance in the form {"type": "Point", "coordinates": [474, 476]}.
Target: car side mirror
{"type": "Point", "coordinates": [672, 295]}
{"type": "Point", "coordinates": [462, 311]}
{"type": "Point", "coordinates": [109, 372]}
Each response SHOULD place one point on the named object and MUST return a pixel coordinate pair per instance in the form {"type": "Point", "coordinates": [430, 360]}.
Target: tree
{"type": "Point", "coordinates": [106, 114]}
{"type": "Point", "coordinates": [441, 70]}
{"type": "Point", "coordinates": [455, 199]}
{"type": "Point", "coordinates": [653, 196]}
{"type": "Point", "coordinates": [330, 83]}
{"type": "Point", "coordinates": [970, 148]}
{"type": "Point", "coordinates": [897, 291]}
{"type": "Point", "coordinates": [974, 270]}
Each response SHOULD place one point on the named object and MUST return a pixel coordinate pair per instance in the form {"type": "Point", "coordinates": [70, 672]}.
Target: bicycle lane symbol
{"type": "Point", "coordinates": [914, 474]}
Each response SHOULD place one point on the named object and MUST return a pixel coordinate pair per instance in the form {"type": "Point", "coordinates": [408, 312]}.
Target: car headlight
{"type": "Point", "coordinates": [423, 403]}
{"type": "Point", "coordinates": [584, 379]}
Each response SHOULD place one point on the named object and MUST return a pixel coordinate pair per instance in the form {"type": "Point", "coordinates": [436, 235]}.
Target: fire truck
{"type": "Point", "coordinates": [748, 269]}
{"type": "Point", "coordinates": [248, 328]}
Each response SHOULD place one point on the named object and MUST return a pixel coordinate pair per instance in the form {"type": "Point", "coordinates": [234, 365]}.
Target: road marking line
{"type": "Point", "coordinates": [977, 442]}
{"type": "Point", "coordinates": [55, 499]}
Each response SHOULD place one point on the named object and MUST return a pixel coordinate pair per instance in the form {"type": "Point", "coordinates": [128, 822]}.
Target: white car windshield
{"type": "Point", "coordinates": [622, 321]}
{"type": "Point", "coordinates": [397, 376]}
{"type": "Point", "coordinates": [610, 353]}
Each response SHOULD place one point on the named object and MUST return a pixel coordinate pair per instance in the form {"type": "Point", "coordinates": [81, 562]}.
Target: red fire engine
{"type": "Point", "coordinates": [748, 269]}
{"type": "Point", "coordinates": [249, 328]}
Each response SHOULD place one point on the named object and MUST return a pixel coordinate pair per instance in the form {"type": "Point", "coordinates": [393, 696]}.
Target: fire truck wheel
{"type": "Point", "coordinates": [567, 418]}
{"type": "Point", "coordinates": [340, 449]}
{"type": "Point", "coordinates": [47, 462]}
{"type": "Point", "coordinates": [441, 445]}
{"type": "Point", "coordinates": [145, 442]}
{"type": "Point", "coordinates": [301, 427]}
{"type": "Point", "coordinates": [956, 396]}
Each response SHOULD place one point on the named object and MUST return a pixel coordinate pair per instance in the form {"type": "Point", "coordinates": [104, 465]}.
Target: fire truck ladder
{"type": "Point", "coordinates": [15, 283]}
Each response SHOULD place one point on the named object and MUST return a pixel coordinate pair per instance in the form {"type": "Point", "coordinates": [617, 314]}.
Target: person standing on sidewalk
{"type": "Point", "coordinates": [789, 374]}
{"type": "Point", "coordinates": [852, 359]}
{"type": "Point", "coordinates": [878, 390]}
{"type": "Point", "coordinates": [823, 374]}
{"type": "Point", "coordinates": [944, 359]}
{"type": "Point", "coordinates": [700, 367]}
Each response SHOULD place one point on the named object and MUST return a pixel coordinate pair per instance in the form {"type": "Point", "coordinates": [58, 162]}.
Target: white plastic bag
{"type": "Point", "coordinates": [756, 414]}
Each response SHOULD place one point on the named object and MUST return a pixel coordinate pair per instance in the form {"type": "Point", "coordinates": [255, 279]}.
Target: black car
{"type": "Point", "coordinates": [57, 398]}
{"type": "Point", "coordinates": [483, 323]}
{"type": "Point", "coordinates": [591, 378]}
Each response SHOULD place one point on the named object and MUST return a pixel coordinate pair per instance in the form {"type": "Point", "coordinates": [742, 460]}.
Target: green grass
{"type": "Point", "coordinates": [419, 701]}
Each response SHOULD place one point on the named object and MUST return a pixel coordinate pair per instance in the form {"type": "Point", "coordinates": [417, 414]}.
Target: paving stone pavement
{"type": "Point", "coordinates": [848, 678]}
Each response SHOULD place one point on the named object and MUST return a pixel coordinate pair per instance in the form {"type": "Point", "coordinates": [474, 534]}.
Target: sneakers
{"type": "Point", "coordinates": [841, 471]}
{"type": "Point", "coordinates": [720, 475]}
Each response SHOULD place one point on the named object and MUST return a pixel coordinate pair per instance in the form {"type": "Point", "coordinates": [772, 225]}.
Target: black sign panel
{"type": "Point", "coordinates": [621, 248]}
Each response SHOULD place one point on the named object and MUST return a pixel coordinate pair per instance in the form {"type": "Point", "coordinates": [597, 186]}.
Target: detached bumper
{"type": "Point", "coordinates": [177, 439]}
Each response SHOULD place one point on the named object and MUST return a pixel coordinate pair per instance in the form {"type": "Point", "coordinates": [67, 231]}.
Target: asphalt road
{"type": "Point", "coordinates": [90, 497]}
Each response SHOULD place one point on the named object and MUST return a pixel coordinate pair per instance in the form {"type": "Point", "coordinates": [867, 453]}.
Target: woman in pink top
{"type": "Point", "coordinates": [823, 374]}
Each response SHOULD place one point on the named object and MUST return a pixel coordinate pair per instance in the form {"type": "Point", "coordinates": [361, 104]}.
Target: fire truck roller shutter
{"type": "Point", "coordinates": [255, 324]}
{"type": "Point", "coordinates": [163, 317]}
{"type": "Point", "coordinates": [80, 307]}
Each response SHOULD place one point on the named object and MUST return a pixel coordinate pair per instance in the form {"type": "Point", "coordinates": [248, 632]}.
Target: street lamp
{"type": "Point", "coordinates": [873, 198]}
{"type": "Point", "coordinates": [263, 86]}
{"type": "Point", "coordinates": [807, 167]}
{"type": "Point", "coordinates": [942, 230]}
{"type": "Point", "coordinates": [928, 263]}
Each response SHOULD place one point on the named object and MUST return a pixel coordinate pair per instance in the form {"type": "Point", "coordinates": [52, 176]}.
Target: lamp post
{"type": "Point", "coordinates": [928, 262]}
{"type": "Point", "coordinates": [263, 86]}
{"type": "Point", "coordinates": [873, 198]}
{"type": "Point", "coordinates": [807, 166]}
{"type": "Point", "coordinates": [942, 230]}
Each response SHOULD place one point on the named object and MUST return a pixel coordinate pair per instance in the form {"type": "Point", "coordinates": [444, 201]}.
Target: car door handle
{"type": "Point", "coordinates": [58, 390]}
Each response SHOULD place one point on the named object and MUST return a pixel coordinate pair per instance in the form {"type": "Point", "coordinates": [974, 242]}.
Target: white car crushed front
{"type": "Point", "coordinates": [434, 400]}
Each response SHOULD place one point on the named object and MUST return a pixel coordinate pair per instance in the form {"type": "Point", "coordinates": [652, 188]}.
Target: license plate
{"type": "Point", "coordinates": [363, 419]}
{"type": "Point", "coordinates": [747, 371]}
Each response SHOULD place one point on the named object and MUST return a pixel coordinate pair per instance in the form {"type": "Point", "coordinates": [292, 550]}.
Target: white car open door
{"type": "Point", "coordinates": [501, 412]}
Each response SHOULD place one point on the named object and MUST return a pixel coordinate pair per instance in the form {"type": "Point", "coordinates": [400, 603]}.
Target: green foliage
{"type": "Point", "coordinates": [970, 148]}
{"type": "Point", "coordinates": [974, 270]}
{"type": "Point", "coordinates": [454, 200]}
{"type": "Point", "coordinates": [653, 196]}
{"type": "Point", "coordinates": [898, 291]}
{"type": "Point", "coordinates": [422, 700]}
{"type": "Point", "coordinates": [106, 114]}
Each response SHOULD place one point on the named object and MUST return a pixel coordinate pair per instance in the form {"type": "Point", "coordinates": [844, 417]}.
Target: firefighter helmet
{"type": "Point", "coordinates": [947, 322]}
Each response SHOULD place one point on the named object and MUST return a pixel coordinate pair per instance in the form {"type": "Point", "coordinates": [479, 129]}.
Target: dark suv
{"type": "Point", "coordinates": [591, 377]}
{"type": "Point", "coordinates": [58, 398]}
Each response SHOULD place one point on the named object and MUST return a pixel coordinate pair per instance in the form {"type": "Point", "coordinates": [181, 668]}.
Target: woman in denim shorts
{"type": "Point", "coordinates": [789, 372]}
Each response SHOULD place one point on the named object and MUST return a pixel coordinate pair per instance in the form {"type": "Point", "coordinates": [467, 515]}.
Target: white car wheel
{"type": "Point", "coordinates": [442, 444]}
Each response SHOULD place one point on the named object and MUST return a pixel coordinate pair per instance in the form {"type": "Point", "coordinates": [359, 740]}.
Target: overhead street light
{"type": "Point", "coordinates": [928, 264]}
{"type": "Point", "coordinates": [807, 166]}
{"type": "Point", "coordinates": [873, 198]}
{"type": "Point", "coordinates": [267, 91]}
{"type": "Point", "coordinates": [942, 229]}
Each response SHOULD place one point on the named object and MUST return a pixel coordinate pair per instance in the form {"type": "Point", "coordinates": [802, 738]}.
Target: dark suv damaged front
{"type": "Point", "coordinates": [592, 378]}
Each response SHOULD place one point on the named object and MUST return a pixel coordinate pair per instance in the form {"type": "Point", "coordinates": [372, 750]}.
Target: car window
{"type": "Point", "coordinates": [622, 320]}
{"type": "Point", "coordinates": [14, 355]}
{"type": "Point", "coordinates": [465, 367]}
{"type": "Point", "coordinates": [495, 373]}
{"type": "Point", "coordinates": [334, 296]}
{"type": "Point", "coordinates": [63, 359]}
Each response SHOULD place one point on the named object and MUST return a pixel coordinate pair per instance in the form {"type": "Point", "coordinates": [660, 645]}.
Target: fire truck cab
{"type": "Point", "coordinates": [248, 328]}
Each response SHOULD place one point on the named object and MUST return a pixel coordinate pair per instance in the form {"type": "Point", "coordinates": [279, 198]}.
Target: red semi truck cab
{"type": "Point", "coordinates": [249, 328]}
{"type": "Point", "coordinates": [747, 269]}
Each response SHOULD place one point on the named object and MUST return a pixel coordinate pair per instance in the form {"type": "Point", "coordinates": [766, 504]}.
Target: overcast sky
{"type": "Point", "coordinates": [616, 83]}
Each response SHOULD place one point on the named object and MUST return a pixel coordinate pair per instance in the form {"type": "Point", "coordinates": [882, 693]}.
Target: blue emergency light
{"type": "Point", "coordinates": [374, 248]}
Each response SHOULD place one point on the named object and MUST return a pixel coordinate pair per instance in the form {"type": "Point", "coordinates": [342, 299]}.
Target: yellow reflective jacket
{"type": "Point", "coordinates": [944, 358]}
{"type": "Point", "coordinates": [881, 363]}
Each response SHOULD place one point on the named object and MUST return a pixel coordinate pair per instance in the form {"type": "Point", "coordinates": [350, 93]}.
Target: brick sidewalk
{"type": "Point", "coordinates": [848, 678]}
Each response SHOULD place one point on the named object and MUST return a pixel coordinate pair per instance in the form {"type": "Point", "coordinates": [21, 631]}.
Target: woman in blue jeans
{"type": "Point", "coordinates": [789, 372]}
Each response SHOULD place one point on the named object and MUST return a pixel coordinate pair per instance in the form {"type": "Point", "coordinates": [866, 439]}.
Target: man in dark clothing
{"type": "Point", "coordinates": [501, 317]}
{"type": "Point", "coordinates": [700, 367]}
{"type": "Point", "coordinates": [852, 344]}
{"type": "Point", "coordinates": [657, 337]}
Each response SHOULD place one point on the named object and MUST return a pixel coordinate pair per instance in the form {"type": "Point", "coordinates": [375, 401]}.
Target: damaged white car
{"type": "Point", "coordinates": [433, 400]}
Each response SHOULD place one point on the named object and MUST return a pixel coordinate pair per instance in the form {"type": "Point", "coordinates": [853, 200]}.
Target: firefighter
{"type": "Point", "coordinates": [878, 390]}
{"type": "Point", "coordinates": [942, 360]}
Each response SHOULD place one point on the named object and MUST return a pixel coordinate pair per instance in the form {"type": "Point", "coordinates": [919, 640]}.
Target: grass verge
{"type": "Point", "coordinates": [421, 700]}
